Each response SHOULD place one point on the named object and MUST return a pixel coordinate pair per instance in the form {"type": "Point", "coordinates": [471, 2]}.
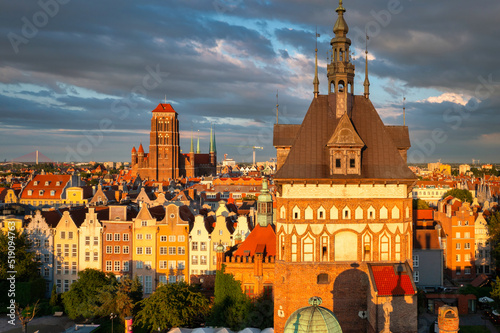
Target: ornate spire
{"type": "Point", "coordinates": [316, 80]}
{"type": "Point", "coordinates": [340, 28]}
{"type": "Point", "coordinates": [277, 107]}
{"type": "Point", "coordinates": [212, 141]}
{"type": "Point", "coordinates": [367, 82]}
{"type": "Point", "coordinates": [198, 144]}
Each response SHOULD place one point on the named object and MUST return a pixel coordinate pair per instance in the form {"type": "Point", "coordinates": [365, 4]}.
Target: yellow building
{"type": "Point", "coordinates": [172, 240]}
{"type": "Point", "coordinates": [144, 253]}
{"type": "Point", "coordinates": [10, 224]}
{"type": "Point", "coordinates": [445, 169]}
{"type": "Point", "coordinates": [66, 249]}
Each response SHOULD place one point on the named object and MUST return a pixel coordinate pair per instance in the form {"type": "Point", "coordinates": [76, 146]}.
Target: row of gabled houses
{"type": "Point", "coordinates": [161, 244]}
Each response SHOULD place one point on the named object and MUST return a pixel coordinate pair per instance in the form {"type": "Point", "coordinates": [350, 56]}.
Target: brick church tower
{"type": "Point", "coordinates": [344, 220]}
{"type": "Point", "coordinates": [164, 160]}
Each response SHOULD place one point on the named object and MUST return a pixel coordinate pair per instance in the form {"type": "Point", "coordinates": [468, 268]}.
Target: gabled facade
{"type": "Point", "coordinates": [200, 249]}
{"type": "Point", "coordinates": [90, 241]}
{"type": "Point", "coordinates": [342, 204]}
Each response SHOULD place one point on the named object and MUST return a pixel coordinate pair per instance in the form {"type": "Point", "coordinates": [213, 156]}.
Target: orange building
{"type": "Point", "coordinates": [164, 160]}
{"type": "Point", "coordinates": [458, 225]}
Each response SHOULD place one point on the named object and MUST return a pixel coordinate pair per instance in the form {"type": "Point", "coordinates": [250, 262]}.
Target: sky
{"type": "Point", "coordinates": [79, 79]}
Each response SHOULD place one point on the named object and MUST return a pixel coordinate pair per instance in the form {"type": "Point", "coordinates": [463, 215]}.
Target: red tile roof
{"type": "Point", "coordinates": [45, 184]}
{"type": "Point", "coordinates": [390, 283]}
{"type": "Point", "coordinates": [423, 214]}
{"type": "Point", "coordinates": [259, 239]}
{"type": "Point", "coordinates": [164, 108]}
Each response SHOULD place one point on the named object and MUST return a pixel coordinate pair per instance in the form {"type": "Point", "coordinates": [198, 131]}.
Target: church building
{"type": "Point", "coordinates": [165, 159]}
{"type": "Point", "coordinates": [344, 219]}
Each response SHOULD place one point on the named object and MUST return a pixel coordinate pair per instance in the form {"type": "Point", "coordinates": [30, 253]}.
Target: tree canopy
{"type": "Point", "coordinates": [462, 195]}
{"type": "Point", "coordinates": [420, 204]}
{"type": "Point", "coordinates": [172, 305]}
{"type": "Point", "coordinates": [24, 260]}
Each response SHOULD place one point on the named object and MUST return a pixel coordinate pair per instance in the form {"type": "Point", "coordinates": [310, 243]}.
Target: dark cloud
{"type": "Point", "coordinates": [224, 60]}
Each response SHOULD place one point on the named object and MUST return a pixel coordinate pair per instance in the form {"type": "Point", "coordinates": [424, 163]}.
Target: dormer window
{"type": "Point", "coordinates": [35, 183]}
{"type": "Point", "coordinates": [30, 192]}
{"type": "Point", "coordinates": [40, 192]}
{"type": "Point", "coordinates": [352, 163]}
{"type": "Point", "coordinates": [47, 183]}
{"type": "Point", "coordinates": [52, 193]}
{"type": "Point", "coordinates": [58, 183]}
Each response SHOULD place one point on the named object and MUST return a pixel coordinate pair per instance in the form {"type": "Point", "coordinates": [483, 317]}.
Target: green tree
{"type": "Point", "coordinates": [172, 305]}
{"type": "Point", "coordinates": [120, 298]}
{"type": "Point", "coordinates": [462, 195]}
{"type": "Point", "coordinates": [494, 232]}
{"type": "Point", "coordinates": [15, 249]}
{"type": "Point", "coordinates": [231, 306]}
{"type": "Point", "coordinates": [420, 204]}
{"type": "Point", "coordinates": [85, 299]}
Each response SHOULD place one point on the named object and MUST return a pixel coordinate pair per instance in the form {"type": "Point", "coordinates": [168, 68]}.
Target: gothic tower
{"type": "Point", "coordinates": [344, 220]}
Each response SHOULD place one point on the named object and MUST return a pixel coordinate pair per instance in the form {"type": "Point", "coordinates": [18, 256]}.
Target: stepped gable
{"type": "Point", "coordinates": [308, 157]}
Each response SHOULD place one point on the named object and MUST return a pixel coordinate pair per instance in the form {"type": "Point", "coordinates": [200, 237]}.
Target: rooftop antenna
{"type": "Point", "coordinates": [165, 98]}
{"type": "Point", "coordinates": [316, 80]}
{"type": "Point", "coordinates": [277, 107]}
{"type": "Point", "coordinates": [366, 84]}
{"type": "Point", "coordinates": [404, 110]}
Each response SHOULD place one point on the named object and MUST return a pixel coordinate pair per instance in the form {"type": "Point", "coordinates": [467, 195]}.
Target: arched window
{"type": "Point", "coordinates": [384, 247]}
{"type": "Point", "coordinates": [308, 249]}
{"type": "Point", "coordinates": [341, 86]}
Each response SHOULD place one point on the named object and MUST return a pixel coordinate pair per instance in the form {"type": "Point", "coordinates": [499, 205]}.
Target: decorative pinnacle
{"type": "Point", "coordinates": [341, 8]}
{"type": "Point", "coordinates": [316, 300]}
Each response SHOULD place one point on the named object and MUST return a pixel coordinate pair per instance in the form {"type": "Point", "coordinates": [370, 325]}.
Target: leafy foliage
{"type": "Point", "coordinates": [420, 204]}
{"type": "Point", "coordinates": [494, 231]}
{"type": "Point", "coordinates": [83, 299]}
{"type": "Point", "coordinates": [462, 195]}
{"type": "Point", "coordinates": [172, 305]}
{"type": "Point", "coordinates": [231, 306]}
{"type": "Point", "coordinates": [26, 264]}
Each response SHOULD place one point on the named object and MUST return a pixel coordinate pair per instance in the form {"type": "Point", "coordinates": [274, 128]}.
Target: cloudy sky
{"type": "Point", "coordinates": [78, 79]}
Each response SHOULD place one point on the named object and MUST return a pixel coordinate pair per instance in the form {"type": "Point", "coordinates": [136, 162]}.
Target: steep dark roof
{"type": "Point", "coordinates": [285, 134]}
{"type": "Point", "coordinates": [399, 135]}
{"type": "Point", "coordinates": [308, 158]}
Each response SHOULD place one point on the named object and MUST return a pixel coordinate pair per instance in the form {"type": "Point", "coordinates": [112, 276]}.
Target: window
{"type": "Point", "coordinates": [249, 290]}
{"type": "Point", "coordinates": [138, 250]}
{"type": "Point", "coordinates": [458, 270]}
{"type": "Point", "coordinates": [70, 235]}
{"type": "Point", "coordinates": [171, 238]}
{"type": "Point", "coordinates": [125, 237]}
{"type": "Point", "coordinates": [125, 266]}
{"type": "Point", "coordinates": [63, 234]}
{"type": "Point", "coordinates": [109, 237]}
{"type": "Point", "coordinates": [467, 257]}
{"type": "Point", "coordinates": [467, 246]}
{"type": "Point", "coordinates": [117, 249]}
{"type": "Point", "coordinates": [352, 163]}
{"type": "Point", "coordinates": [139, 265]}
{"type": "Point", "coordinates": [144, 223]}
{"type": "Point", "coordinates": [148, 284]}
{"type": "Point", "coordinates": [203, 246]}
{"type": "Point", "coordinates": [198, 232]}
{"type": "Point", "coordinates": [148, 236]}
{"type": "Point", "coordinates": [268, 291]}
{"type": "Point", "coordinates": [125, 249]}
{"type": "Point", "coordinates": [66, 285]}
{"type": "Point", "coordinates": [73, 268]}
{"type": "Point", "coordinates": [171, 278]}
{"type": "Point", "coordinates": [45, 271]}
{"type": "Point", "coordinates": [194, 260]}
{"type": "Point", "coordinates": [163, 238]}
{"type": "Point", "coordinates": [416, 276]}
{"type": "Point", "coordinates": [337, 163]}
{"type": "Point", "coordinates": [415, 261]}
{"type": "Point", "coordinates": [47, 243]}
{"type": "Point", "coordinates": [220, 232]}
{"type": "Point", "coordinates": [87, 256]}
{"type": "Point", "coordinates": [194, 246]}
{"type": "Point", "coordinates": [117, 237]}
{"type": "Point", "coordinates": [181, 238]}
{"type": "Point", "coordinates": [457, 235]}
{"type": "Point", "coordinates": [181, 250]}
{"type": "Point", "coordinates": [457, 258]}
{"type": "Point", "coordinates": [66, 250]}
{"type": "Point", "coordinates": [87, 240]}
{"type": "Point", "coordinates": [181, 264]}
{"type": "Point", "coordinates": [163, 264]}
{"type": "Point", "coordinates": [148, 250]}
{"type": "Point", "coordinates": [467, 235]}
{"type": "Point", "coordinates": [323, 278]}
{"type": "Point", "coordinates": [171, 250]}
{"type": "Point", "coordinates": [66, 268]}
{"type": "Point", "coordinates": [46, 257]}
{"type": "Point", "coordinates": [203, 260]}
{"type": "Point", "coordinates": [139, 236]}
{"type": "Point", "coordinates": [117, 265]}
{"type": "Point", "coordinates": [108, 265]}
{"type": "Point", "coordinates": [109, 249]}
{"type": "Point", "coordinates": [457, 246]}
{"type": "Point", "coordinates": [163, 250]}
{"type": "Point", "coordinates": [59, 251]}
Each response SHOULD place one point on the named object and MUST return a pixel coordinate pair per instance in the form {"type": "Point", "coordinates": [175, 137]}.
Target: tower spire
{"type": "Point", "coordinates": [367, 82]}
{"type": "Point", "coordinates": [316, 80]}
{"type": "Point", "coordinates": [198, 144]}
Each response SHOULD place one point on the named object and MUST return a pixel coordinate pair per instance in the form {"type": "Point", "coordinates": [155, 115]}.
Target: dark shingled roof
{"type": "Point", "coordinates": [284, 135]}
{"type": "Point", "coordinates": [399, 135]}
{"type": "Point", "coordinates": [308, 157]}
